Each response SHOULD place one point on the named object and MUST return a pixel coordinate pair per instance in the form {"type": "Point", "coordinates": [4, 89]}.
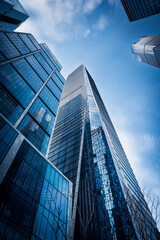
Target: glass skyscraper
{"type": "Point", "coordinates": [12, 14]}
{"type": "Point", "coordinates": [137, 9]}
{"type": "Point", "coordinates": [107, 200]}
{"type": "Point", "coordinates": [147, 50]}
{"type": "Point", "coordinates": [35, 197]}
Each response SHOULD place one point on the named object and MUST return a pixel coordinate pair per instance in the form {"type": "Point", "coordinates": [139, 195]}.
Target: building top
{"type": "Point", "coordinates": [140, 9]}
{"type": "Point", "coordinates": [46, 49]}
{"type": "Point", "coordinates": [147, 50]}
{"type": "Point", "coordinates": [12, 14]}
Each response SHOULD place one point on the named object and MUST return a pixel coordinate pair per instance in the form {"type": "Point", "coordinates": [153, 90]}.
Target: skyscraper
{"type": "Point", "coordinates": [147, 50]}
{"type": "Point", "coordinates": [35, 201]}
{"type": "Point", "coordinates": [137, 9]}
{"type": "Point", "coordinates": [12, 14]}
{"type": "Point", "coordinates": [107, 200]}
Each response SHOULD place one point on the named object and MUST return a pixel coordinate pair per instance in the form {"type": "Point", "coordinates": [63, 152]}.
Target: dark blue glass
{"type": "Point", "coordinates": [7, 137]}
{"type": "Point", "coordinates": [16, 85]}
{"type": "Point", "coordinates": [51, 56]}
{"type": "Point", "coordinates": [34, 133]}
{"type": "Point", "coordinates": [37, 67]}
{"type": "Point", "coordinates": [18, 43]}
{"type": "Point", "coordinates": [9, 107]}
{"type": "Point", "coordinates": [52, 65]}
{"type": "Point", "coordinates": [43, 62]}
{"type": "Point", "coordinates": [27, 41]}
{"type": "Point", "coordinates": [28, 73]}
{"type": "Point", "coordinates": [7, 48]}
{"type": "Point", "coordinates": [49, 99]}
{"type": "Point", "coordinates": [2, 58]}
{"type": "Point", "coordinates": [53, 87]}
{"type": "Point", "coordinates": [32, 213]}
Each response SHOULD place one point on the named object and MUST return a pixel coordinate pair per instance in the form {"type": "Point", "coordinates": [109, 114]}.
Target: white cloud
{"type": "Point", "coordinates": [86, 33]}
{"type": "Point", "coordinates": [139, 147]}
{"type": "Point", "coordinates": [90, 5]}
{"type": "Point", "coordinates": [57, 19]}
{"type": "Point", "coordinates": [136, 148]}
{"type": "Point", "coordinates": [101, 24]}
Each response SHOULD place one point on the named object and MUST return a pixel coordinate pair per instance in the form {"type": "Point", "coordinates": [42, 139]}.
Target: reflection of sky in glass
{"type": "Point", "coordinates": [99, 149]}
{"type": "Point", "coordinates": [93, 113]}
{"type": "Point", "coordinates": [53, 206]}
{"type": "Point", "coordinates": [102, 178]}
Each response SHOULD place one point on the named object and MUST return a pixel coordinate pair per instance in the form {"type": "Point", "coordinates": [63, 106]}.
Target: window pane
{"type": "Point", "coordinates": [7, 137]}
{"type": "Point", "coordinates": [16, 85]}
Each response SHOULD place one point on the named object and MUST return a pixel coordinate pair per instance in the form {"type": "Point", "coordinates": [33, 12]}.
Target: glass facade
{"type": "Point", "coordinates": [34, 197]}
{"type": "Point", "coordinates": [12, 14]}
{"type": "Point", "coordinates": [65, 144]}
{"type": "Point", "coordinates": [137, 9]}
{"type": "Point", "coordinates": [30, 79]}
{"type": "Point", "coordinates": [107, 200]}
{"type": "Point", "coordinates": [7, 137]}
{"type": "Point", "coordinates": [147, 50]}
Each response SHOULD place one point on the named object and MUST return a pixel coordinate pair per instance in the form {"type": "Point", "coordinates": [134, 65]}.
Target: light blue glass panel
{"type": "Point", "coordinates": [52, 176]}
{"type": "Point", "coordinates": [34, 41]}
{"type": "Point", "coordinates": [48, 172]}
{"type": "Point", "coordinates": [65, 186]}
{"type": "Point", "coordinates": [60, 76]}
{"type": "Point", "coordinates": [42, 115]}
{"type": "Point", "coordinates": [57, 81]}
{"type": "Point", "coordinates": [56, 179]}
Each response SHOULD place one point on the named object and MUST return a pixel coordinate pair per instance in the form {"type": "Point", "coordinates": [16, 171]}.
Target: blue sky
{"type": "Point", "coordinates": [98, 34]}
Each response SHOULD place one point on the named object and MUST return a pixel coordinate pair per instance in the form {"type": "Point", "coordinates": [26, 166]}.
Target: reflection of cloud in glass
{"type": "Point", "coordinates": [48, 118]}
{"type": "Point", "coordinates": [40, 114]}
{"type": "Point", "coordinates": [34, 126]}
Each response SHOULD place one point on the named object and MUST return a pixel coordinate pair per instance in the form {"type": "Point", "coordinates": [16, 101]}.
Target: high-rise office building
{"type": "Point", "coordinates": [107, 200]}
{"type": "Point", "coordinates": [35, 201]}
{"type": "Point", "coordinates": [12, 14]}
{"type": "Point", "coordinates": [147, 50]}
{"type": "Point", "coordinates": [137, 9]}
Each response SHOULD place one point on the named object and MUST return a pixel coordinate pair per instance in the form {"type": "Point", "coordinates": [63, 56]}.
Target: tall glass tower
{"type": "Point", "coordinates": [107, 200]}
{"type": "Point", "coordinates": [137, 9]}
{"type": "Point", "coordinates": [12, 14]}
{"type": "Point", "coordinates": [35, 197]}
{"type": "Point", "coordinates": [147, 50]}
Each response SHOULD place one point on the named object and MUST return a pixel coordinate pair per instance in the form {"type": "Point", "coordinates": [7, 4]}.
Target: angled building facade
{"type": "Point", "coordinates": [12, 14]}
{"type": "Point", "coordinates": [107, 200]}
{"type": "Point", "coordinates": [35, 201]}
{"type": "Point", "coordinates": [147, 50]}
{"type": "Point", "coordinates": [138, 9]}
